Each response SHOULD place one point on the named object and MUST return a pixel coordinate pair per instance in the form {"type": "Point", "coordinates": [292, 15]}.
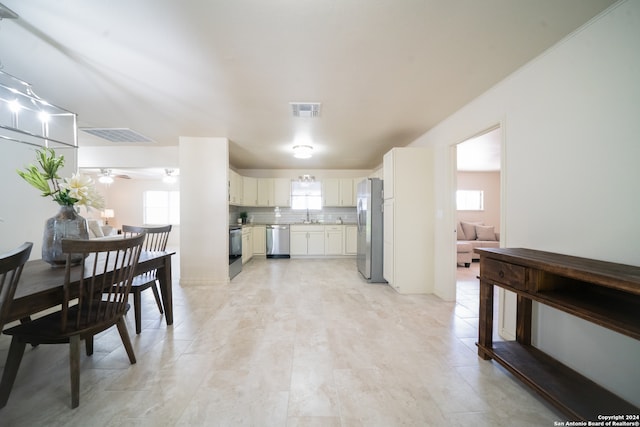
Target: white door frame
{"type": "Point", "coordinates": [505, 307]}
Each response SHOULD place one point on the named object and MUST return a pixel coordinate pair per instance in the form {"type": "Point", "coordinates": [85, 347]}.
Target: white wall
{"type": "Point", "coordinates": [489, 184]}
{"type": "Point", "coordinates": [23, 211]}
{"type": "Point", "coordinates": [571, 147]}
{"type": "Point", "coordinates": [128, 157]}
{"type": "Point", "coordinates": [125, 197]}
{"type": "Point", "coordinates": [204, 234]}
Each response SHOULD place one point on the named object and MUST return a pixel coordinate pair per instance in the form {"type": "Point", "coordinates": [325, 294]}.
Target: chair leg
{"type": "Point", "coordinates": [16, 351]}
{"type": "Point", "coordinates": [24, 320]}
{"type": "Point", "coordinates": [89, 345]}
{"type": "Point", "coordinates": [154, 288]}
{"type": "Point", "coordinates": [126, 341]}
{"type": "Point", "coordinates": [137, 310]}
{"type": "Point", "coordinates": [74, 369]}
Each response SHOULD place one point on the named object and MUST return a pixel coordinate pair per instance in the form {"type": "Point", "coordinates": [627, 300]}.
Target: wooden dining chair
{"type": "Point", "coordinates": [156, 240]}
{"type": "Point", "coordinates": [94, 299]}
{"type": "Point", "coordinates": [11, 264]}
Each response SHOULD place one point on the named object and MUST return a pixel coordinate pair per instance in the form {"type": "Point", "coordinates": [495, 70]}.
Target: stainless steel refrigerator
{"type": "Point", "coordinates": [370, 238]}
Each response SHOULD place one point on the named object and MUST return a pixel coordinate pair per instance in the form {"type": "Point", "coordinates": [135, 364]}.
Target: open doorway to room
{"type": "Point", "coordinates": [478, 211]}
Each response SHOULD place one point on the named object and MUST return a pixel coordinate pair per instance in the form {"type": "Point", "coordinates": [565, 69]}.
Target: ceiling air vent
{"type": "Point", "coordinates": [117, 134]}
{"type": "Point", "coordinates": [305, 109]}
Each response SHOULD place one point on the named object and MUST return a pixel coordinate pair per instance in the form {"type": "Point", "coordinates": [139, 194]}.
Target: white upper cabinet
{"type": "Point", "coordinates": [281, 192]}
{"type": "Point", "coordinates": [265, 192]}
{"type": "Point", "coordinates": [331, 192]}
{"type": "Point", "coordinates": [235, 188]}
{"type": "Point", "coordinates": [338, 192]}
{"type": "Point", "coordinates": [347, 195]}
{"type": "Point", "coordinates": [250, 191]}
{"type": "Point", "coordinates": [356, 181]}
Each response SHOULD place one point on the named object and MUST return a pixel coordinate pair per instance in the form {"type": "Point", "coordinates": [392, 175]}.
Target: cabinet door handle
{"type": "Point", "coordinates": [501, 274]}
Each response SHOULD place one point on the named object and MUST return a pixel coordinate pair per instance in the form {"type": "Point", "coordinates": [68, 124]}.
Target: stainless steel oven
{"type": "Point", "coordinates": [235, 250]}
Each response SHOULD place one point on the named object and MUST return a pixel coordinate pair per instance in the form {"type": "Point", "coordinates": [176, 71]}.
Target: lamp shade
{"type": "Point", "coordinates": [107, 213]}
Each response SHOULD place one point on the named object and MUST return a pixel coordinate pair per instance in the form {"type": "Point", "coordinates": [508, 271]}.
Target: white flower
{"type": "Point", "coordinates": [81, 188]}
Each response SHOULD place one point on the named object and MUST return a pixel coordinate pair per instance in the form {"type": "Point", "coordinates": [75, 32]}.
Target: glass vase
{"type": "Point", "coordinates": [66, 224]}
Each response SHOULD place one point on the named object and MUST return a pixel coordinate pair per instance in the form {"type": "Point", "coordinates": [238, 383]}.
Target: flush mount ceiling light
{"type": "Point", "coordinates": [302, 151]}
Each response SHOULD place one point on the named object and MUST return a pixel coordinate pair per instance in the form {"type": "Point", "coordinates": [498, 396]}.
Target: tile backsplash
{"type": "Point", "coordinates": [270, 215]}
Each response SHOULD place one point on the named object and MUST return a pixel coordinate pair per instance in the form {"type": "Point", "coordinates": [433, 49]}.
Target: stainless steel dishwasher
{"type": "Point", "coordinates": [277, 241]}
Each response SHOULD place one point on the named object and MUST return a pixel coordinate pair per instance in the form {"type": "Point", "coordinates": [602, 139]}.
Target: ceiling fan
{"type": "Point", "coordinates": [107, 176]}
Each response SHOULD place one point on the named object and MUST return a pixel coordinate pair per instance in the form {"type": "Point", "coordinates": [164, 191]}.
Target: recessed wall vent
{"type": "Point", "coordinates": [305, 109]}
{"type": "Point", "coordinates": [117, 134]}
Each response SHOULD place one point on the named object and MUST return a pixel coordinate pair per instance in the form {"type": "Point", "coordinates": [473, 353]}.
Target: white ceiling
{"type": "Point", "coordinates": [481, 153]}
{"type": "Point", "coordinates": [385, 71]}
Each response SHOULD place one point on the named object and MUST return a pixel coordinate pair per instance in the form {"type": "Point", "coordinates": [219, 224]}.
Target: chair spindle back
{"type": "Point", "coordinates": [156, 239]}
{"type": "Point", "coordinates": [105, 280]}
{"type": "Point", "coordinates": [11, 265]}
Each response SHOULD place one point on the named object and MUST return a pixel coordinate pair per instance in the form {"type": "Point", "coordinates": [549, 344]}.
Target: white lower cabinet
{"type": "Point", "coordinates": [298, 242]}
{"type": "Point", "coordinates": [315, 245]}
{"type": "Point", "coordinates": [259, 236]}
{"type": "Point", "coordinates": [350, 239]}
{"type": "Point", "coordinates": [247, 244]}
{"type": "Point", "coordinates": [387, 243]}
{"type": "Point", "coordinates": [334, 242]}
{"type": "Point", "coordinates": [323, 240]}
{"type": "Point", "coordinates": [307, 240]}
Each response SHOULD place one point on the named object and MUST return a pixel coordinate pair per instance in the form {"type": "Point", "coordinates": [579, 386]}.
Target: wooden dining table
{"type": "Point", "coordinates": [41, 286]}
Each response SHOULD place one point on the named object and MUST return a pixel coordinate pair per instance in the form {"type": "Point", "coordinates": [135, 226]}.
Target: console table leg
{"type": "Point", "coordinates": [485, 324]}
{"type": "Point", "coordinates": [523, 320]}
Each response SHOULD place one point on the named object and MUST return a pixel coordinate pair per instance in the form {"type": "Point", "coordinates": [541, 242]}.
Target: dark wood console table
{"type": "Point", "coordinates": [604, 293]}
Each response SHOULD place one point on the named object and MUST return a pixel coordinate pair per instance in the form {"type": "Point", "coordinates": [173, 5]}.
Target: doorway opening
{"type": "Point", "coordinates": [478, 184]}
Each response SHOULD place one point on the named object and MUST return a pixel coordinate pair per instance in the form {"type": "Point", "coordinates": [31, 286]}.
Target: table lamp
{"type": "Point", "coordinates": [106, 214]}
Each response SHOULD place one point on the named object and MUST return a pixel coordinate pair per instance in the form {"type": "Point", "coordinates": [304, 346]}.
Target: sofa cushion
{"type": "Point", "coordinates": [108, 230]}
{"type": "Point", "coordinates": [464, 247]}
{"type": "Point", "coordinates": [460, 232]}
{"type": "Point", "coordinates": [485, 232]}
{"type": "Point", "coordinates": [95, 229]}
{"type": "Point", "coordinates": [469, 229]}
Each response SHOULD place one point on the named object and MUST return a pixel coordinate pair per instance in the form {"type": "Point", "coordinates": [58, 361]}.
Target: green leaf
{"type": "Point", "coordinates": [33, 176]}
{"type": "Point", "coordinates": [49, 162]}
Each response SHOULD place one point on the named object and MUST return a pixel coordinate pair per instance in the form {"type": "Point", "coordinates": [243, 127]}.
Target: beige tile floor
{"type": "Point", "coordinates": [286, 343]}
